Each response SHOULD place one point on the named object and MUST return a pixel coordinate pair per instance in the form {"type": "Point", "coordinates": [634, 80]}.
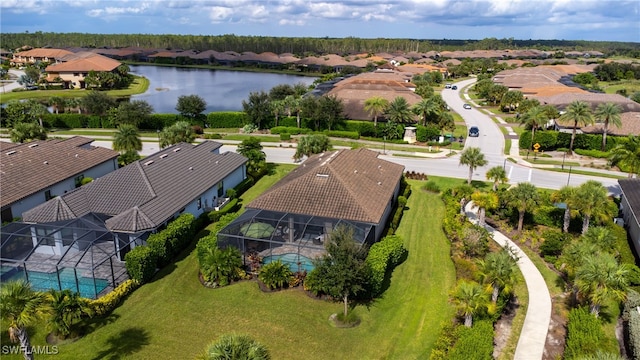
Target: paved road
{"type": "Point", "coordinates": [13, 84]}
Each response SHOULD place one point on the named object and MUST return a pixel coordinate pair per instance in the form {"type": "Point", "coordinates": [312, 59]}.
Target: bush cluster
{"type": "Point", "coordinates": [275, 275]}
{"type": "Point", "coordinates": [553, 140]}
{"type": "Point", "coordinates": [292, 130]}
{"type": "Point", "coordinates": [475, 342]}
{"type": "Point", "coordinates": [585, 335]}
{"type": "Point", "coordinates": [342, 134]}
{"type": "Point", "coordinates": [141, 263]}
{"type": "Point", "coordinates": [109, 302]}
{"type": "Point", "coordinates": [232, 206]}
{"type": "Point", "coordinates": [382, 258]}
{"type": "Point", "coordinates": [227, 119]}
{"type": "Point", "coordinates": [631, 321]}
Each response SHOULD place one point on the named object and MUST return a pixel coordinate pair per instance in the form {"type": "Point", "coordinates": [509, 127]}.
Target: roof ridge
{"type": "Point", "coordinates": [138, 212]}
{"type": "Point", "coordinates": [62, 205]}
{"type": "Point", "coordinates": [145, 179]}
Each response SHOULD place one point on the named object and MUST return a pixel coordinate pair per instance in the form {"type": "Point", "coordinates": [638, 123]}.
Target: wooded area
{"type": "Point", "coordinates": [302, 45]}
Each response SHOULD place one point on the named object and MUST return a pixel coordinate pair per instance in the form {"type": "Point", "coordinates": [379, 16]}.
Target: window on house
{"type": "Point", "coordinates": [220, 189]}
{"type": "Point", "coordinates": [78, 180]}
{"type": "Point", "coordinates": [47, 195]}
{"type": "Point", "coordinates": [76, 74]}
{"type": "Point", "coordinates": [199, 202]}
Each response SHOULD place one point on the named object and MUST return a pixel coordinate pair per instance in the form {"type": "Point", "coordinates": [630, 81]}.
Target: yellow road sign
{"type": "Point", "coordinates": [536, 146]}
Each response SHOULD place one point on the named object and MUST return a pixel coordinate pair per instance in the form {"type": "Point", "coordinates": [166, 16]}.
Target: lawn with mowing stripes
{"type": "Point", "coordinates": [174, 317]}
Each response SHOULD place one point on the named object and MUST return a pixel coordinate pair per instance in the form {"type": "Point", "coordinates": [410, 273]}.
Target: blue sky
{"type": "Point", "coordinates": [613, 20]}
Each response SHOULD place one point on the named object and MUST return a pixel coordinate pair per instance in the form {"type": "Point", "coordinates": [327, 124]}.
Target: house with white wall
{"type": "Point", "coordinates": [630, 208]}
{"type": "Point", "coordinates": [36, 172]}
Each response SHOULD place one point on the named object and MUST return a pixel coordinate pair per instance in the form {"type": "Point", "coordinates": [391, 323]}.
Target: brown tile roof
{"type": "Point", "coordinates": [146, 193]}
{"type": "Point", "coordinates": [84, 62]}
{"type": "Point", "coordinates": [630, 126]}
{"type": "Point", "coordinates": [345, 184]}
{"type": "Point", "coordinates": [32, 167]}
{"type": "Point", "coordinates": [561, 101]}
{"type": "Point", "coordinates": [44, 52]}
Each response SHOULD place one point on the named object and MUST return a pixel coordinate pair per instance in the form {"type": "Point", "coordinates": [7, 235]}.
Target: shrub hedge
{"type": "Point", "coordinates": [289, 130]}
{"type": "Point", "coordinates": [552, 140]}
{"type": "Point", "coordinates": [475, 342]}
{"type": "Point", "coordinates": [631, 321]}
{"type": "Point", "coordinates": [232, 206]}
{"type": "Point", "coordinates": [226, 119]}
{"type": "Point", "coordinates": [383, 257]}
{"type": "Point", "coordinates": [342, 134]}
{"type": "Point", "coordinates": [285, 136]}
{"type": "Point", "coordinates": [141, 263]}
{"type": "Point", "coordinates": [109, 302]}
{"type": "Point", "coordinates": [159, 121]}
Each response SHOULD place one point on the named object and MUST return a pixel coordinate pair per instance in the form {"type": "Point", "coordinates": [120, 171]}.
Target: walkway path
{"type": "Point", "coordinates": [536, 323]}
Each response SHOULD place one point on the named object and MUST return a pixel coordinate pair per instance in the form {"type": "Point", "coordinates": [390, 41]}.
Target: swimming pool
{"type": "Point", "coordinates": [41, 281]}
{"type": "Point", "coordinates": [291, 260]}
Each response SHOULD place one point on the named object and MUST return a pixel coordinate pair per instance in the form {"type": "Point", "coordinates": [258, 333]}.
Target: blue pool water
{"type": "Point", "coordinates": [41, 281]}
{"type": "Point", "coordinates": [292, 260]}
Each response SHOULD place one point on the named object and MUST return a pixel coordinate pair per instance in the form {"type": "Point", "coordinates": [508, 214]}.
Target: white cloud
{"type": "Point", "coordinates": [219, 14]}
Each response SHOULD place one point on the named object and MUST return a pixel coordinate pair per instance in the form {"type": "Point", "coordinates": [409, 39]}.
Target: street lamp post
{"type": "Point", "coordinates": [569, 178]}
{"type": "Point", "coordinates": [564, 154]}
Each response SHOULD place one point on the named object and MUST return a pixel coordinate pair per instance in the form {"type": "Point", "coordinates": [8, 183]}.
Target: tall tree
{"type": "Point", "coordinates": [568, 196]}
{"type": "Point", "coordinates": [473, 158]}
{"type": "Point", "coordinates": [331, 108]}
{"type": "Point", "coordinates": [57, 103]}
{"type": "Point", "coordinates": [600, 278]}
{"type": "Point", "coordinates": [65, 309]}
{"type": "Point", "coordinates": [292, 105]}
{"type": "Point", "coordinates": [499, 270]}
{"type": "Point", "coordinates": [277, 108]}
{"type": "Point", "coordinates": [523, 197]}
{"type": "Point", "coordinates": [30, 111]}
{"type": "Point", "coordinates": [191, 106]}
{"type": "Point", "coordinates": [511, 100]}
{"type": "Point", "coordinates": [399, 111]}
{"type": "Point", "coordinates": [126, 138]}
{"type": "Point", "coordinates": [608, 113]}
{"type": "Point", "coordinates": [627, 154]}
{"type": "Point", "coordinates": [498, 175]}
{"type": "Point", "coordinates": [252, 150]}
{"type": "Point", "coordinates": [484, 201]}
{"type": "Point", "coordinates": [25, 132]}
{"type": "Point", "coordinates": [133, 112]}
{"type": "Point", "coordinates": [97, 103]}
{"type": "Point", "coordinates": [593, 202]}
{"type": "Point", "coordinates": [469, 299]}
{"type": "Point", "coordinates": [533, 118]}
{"type": "Point", "coordinates": [257, 108]}
{"type": "Point", "coordinates": [577, 114]}
{"type": "Point", "coordinates": [426, 108]}
{"type": "Point", "coordinates": [179, 132]}
{"type": "Point", "coordinates": [21, 307]}
{"type": "Point", "coordinates": [376, 106]}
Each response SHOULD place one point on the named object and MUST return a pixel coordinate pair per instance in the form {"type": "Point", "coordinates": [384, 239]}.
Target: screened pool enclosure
{"type": "Point", "coordinates": [291, 238]}
{"type": "Point", "coordinates": [79, 254]}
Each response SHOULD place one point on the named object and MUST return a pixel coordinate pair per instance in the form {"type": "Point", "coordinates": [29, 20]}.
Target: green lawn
{"type": "Point", "coordinates": [611, 87]}
{"type": "Point", "coordinates": [139, 86]}
{"type": "Point", "coordinates": [174, 317]}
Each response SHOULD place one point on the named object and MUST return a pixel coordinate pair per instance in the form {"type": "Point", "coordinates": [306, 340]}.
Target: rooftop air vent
{"type": "Point", "coordinates": [190, 167]}
{"type": "Point", "coordinates": [322, 175]}
{"type": "Point", "coordinates": [32, 146]}
{"type": "Point", "coordinates": [176, 149]}
{"type": "Point", "coordinates": [163, 156]}
{"type": "Point", "coordinates": [149, 162]}
{"type": "Point", "coordinates": [46, 162]}
{"type": "Point", "coordinates": [11, 152]}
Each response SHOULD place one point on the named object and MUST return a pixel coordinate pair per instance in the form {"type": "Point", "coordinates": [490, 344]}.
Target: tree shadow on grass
{"type": "Point", "coordinates": [124, 344]}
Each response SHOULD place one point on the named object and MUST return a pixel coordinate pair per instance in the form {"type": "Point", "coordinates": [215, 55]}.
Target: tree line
{"type": "Point", "coordinates": [302, 45]}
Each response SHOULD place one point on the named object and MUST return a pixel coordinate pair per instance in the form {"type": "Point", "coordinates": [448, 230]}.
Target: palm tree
{"type": "Point", "coordinates": [469, 298]}
{"type": "Point", "coordinates": [473, 158]}
{"type": "Point", "coordinates": [568, 196]}
{"type": "Point", "coordinates": [593, 202]}
{"type": "Point", "coordinates": [179, 132]}
{"type": "Point", "coordinates": [484, 201]}
{"type": "Point", "coordinates": [608, 113]}
{"type": "Point", "coordinates": [627, 154]}
{"type": "Point", "coordinates": [277, 108]}
{"type": "Point", "coordinates": [20, 307]}
{"type": "Point", "coordinates": [65, 307]}
{"type": "Point", "coordinates": [533, 118]}
{"type": "Point", "coordinates": [498, 269]}
{"type": "Point", "coordinates": [425, 108]}
{"type": "Point", "coordinates": [601, 236]}
{"type": "Point", "coordinates": [523, 197]}
{"type": "Point", "coordinates": [376, 106]}
{"type": "Point", "coordinates": [578, 114]}
{"type": "Point", "coordinates": [398, 111]}
{"type": "Point", "coordinates": [498, 175]}
{"type": "Point", "coordinates": [126, 139]}
{"type": "Point", "coordinates": [600, 278]}
{"type": "Point", "coordinates": [236, 347]}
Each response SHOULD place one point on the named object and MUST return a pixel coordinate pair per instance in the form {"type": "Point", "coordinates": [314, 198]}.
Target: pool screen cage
{"type": "Point", "coordinates": [79, 254]}
{"type": "Point", "coordinates": [272, 234]}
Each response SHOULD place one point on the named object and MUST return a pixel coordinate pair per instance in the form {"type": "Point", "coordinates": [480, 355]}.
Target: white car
{"type": "Point", "coordinates": [466, 106]}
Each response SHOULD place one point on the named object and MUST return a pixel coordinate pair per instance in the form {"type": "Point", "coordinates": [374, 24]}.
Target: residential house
{"type": "Point", "coordinates": [39, 55]}
{"type": "Point", "coordinates": [73, 69]}
{"type": "Point", "coordinates": [349, 187]}
{"type": "Point", "coordinates": [36, 172]}
{"type": "Point", "coordinates": [629, 121]}
{"type": "Point", "coordinates": [630, 208]}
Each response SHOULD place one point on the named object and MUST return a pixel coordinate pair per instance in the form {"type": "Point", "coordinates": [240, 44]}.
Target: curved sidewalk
{"type": "Point", "coordinates": [536, 323]}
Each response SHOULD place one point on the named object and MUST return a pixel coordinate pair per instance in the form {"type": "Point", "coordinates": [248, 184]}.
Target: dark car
{"type": "Point", "coordinates": [474, 131]}
{"type": "Point", "coordinates": [454, 87]}
{"type": "Point", "coordinates": [466, 106]}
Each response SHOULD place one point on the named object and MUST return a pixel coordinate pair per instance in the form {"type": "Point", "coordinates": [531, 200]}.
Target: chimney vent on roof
{"type": "Point", "coordinates": [322, 175]}
{"type": "Point", "coordinates": [163, 156]}
{"type": "Point", "coordinates": [46, 162]}
{"type": "Point", "coordinates": [11, 152]}
{"type": "Point", "coordinates": [190, 167]}
{"type": "Point", "coordinates": [32, 146]}
{"type": "Point", "coordinates": [76, 155]}
{"type": "Point", "coordinates": [176, 149]}
{"type": "Point", "coordinates": [379, 182]}
{"type": "Point", "coordinates": [355, 171]}
{"type": "Point", "coordinates": [149, 162]}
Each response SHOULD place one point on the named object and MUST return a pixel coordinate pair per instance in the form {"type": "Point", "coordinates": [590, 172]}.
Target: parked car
{"type": "Point", "coordinates": [454, 87]}
{"type": "Point", "coordinates": [466, 106]}
{"type": "Point", "coordinates": [474, 131]}
{"type": "Point", "coordinates": [447, 86]}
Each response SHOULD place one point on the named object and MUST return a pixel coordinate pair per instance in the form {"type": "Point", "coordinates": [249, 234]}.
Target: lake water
{"type": "Point", "coordinates": [223, 90]}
